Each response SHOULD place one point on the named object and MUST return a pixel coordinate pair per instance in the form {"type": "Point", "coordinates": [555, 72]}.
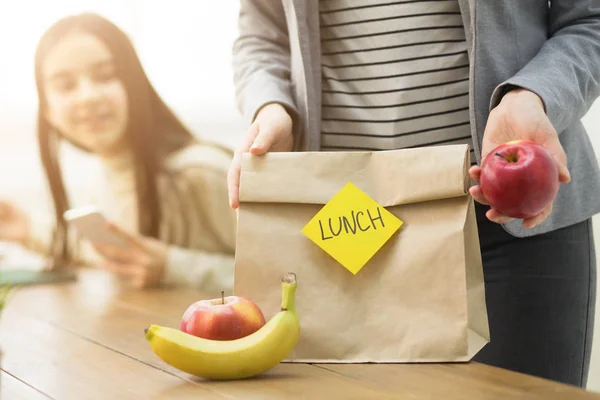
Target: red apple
{"type": "Point", "coordinates": [519, 178]}
{"type": "Point", "coordinates": [226, 318]}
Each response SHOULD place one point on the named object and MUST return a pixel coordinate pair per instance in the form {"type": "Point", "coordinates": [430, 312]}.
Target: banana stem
{"type": "Point", "coordinates": [288, 298]}
{"type": "Point", "coordinates": [222, 297]}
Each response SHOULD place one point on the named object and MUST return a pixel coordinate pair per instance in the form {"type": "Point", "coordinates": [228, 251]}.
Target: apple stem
{"type": "Point", "coordinates": [510, 158]}
{"type": "Point", "coordinates": [222, 297]}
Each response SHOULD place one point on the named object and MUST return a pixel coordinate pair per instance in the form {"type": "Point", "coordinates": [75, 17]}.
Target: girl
{"type": "Point", "coordinates": [165, 190]}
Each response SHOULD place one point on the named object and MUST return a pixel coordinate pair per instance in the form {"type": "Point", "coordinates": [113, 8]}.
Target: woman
{"type": "Point", "coordinates": [165, 191]}
{"type": "Point", "coordinates": [330, 75]}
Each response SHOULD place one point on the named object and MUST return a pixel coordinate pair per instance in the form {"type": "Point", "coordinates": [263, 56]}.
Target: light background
{"type": "Point", "coordinates": [185, 47]}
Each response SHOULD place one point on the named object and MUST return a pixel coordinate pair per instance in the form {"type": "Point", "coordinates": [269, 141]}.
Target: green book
{"type": "Point", "coordinates": [22, 277]}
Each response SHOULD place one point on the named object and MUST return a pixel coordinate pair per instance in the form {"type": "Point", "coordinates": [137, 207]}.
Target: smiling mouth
{"type": "Point", "coordinates": [94, 121]}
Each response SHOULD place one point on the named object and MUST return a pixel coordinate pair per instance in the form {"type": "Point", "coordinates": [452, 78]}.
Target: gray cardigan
{"type": "Point", "coordinates": [549, 47]}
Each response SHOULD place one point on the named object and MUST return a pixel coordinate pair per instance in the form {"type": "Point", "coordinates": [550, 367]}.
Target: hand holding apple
{"type": "Point", "coordinates": [227, 318]}
{"type": "Point", "coordinates": [519, 179]}
{"type": "Point", "coordinates": [520, 116]}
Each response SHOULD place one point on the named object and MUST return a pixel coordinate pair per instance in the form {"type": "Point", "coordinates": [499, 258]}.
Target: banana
{"type": "Point", "coordinates": [232, 359]}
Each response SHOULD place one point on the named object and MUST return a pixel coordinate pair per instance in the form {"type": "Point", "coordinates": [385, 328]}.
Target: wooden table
{"type": "Point", "coordinates": [85, 340]}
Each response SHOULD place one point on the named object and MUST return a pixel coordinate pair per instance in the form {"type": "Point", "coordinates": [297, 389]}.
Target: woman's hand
{"type": "Point", "coordinates": [271, 131]}
{"type": "Point", "coordinates": [14, 223]}
{"type": "Point", "coordinates": [519, 116]}
{"type": "Point", "coordinates": [143, 260]}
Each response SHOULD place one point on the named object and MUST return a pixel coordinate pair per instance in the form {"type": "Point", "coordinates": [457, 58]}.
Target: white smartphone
{"type": "Point", "coordinates": [90, 223]}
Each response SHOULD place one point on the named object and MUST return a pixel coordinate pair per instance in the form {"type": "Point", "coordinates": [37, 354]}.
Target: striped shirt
{"type": "Point", "coordinates": [395, 74]}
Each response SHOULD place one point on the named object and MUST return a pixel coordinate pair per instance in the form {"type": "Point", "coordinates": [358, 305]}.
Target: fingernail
{"type": "Point", "coordinates": [256, 145]}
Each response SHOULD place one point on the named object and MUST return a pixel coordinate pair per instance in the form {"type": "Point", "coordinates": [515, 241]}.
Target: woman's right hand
{"type": "Point", "coordinates": [270, 131]}
{"type": "Point", "coordinates": [14, 223]}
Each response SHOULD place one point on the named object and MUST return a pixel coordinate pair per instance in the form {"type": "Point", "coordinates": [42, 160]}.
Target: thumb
{"type": "Point", "coordinates": [263, 142]}
{"type": "Point", "coordinates": [559, 155]}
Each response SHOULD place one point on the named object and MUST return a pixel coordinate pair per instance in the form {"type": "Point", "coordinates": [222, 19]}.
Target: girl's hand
{"type": "Point", "coordinates": [142, 261]}
{"type": "Point", "coordinates": [14, 223]}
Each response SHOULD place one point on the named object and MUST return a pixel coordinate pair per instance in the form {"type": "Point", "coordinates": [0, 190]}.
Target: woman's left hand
{"type": "Point", "coordinates": [143, 260]}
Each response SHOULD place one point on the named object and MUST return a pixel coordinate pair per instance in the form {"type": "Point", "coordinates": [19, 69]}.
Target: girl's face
{"type": "Point", "coordinates": [85, 100]}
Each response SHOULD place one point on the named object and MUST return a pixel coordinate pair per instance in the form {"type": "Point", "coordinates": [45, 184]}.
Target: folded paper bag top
{"type": "Point", "coordinates": [419, 298]}
{"type": "Point", "coordinates": [390, 177]}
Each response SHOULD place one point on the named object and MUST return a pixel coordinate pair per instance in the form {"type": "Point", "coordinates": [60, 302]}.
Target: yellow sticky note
{"type": "Point", "coordinates": [352, 227]}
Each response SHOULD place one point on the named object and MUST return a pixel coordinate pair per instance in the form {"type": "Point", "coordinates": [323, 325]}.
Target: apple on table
{"type": "Point", "coordinates": [225, 318]}
{"type": "Point", "coordinates": [519, 179]}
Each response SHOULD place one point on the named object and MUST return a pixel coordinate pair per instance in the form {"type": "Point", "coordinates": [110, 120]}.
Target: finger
{"type": "Point", "coordinates": [124, 270]}
{"type": "Point", "coordinates": [233, 181]}
{"type": "Point", "coordinates": [142, 281]}
{"type": "Point", "coordinates": [554, 147]}
{"type": "Point", "coordinates": [475, 173]}
{"type": "Point", "coordinates": [563, 175]}
{"type": "Point", "coordinates": [235, 168]}
{"type": "Point", "coordinates": [477, 194]}
{"type": "Point", "coordinates": [530, 223]}
{"type": "Point", "coordinates": [497, 217]}
{"type": "Point", "coordinates": [267, 135]}
{"type": "Point", "coordinates": [132, 240]}
{"type": "Point", "coordinates": [115, 253]}
{"type": "Point", "coordinates": [138, 283]}
{"type": "Point", "coordinates": [560, 157]}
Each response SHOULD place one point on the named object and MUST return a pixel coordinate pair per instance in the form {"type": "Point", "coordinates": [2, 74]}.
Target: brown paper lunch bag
{"type": "Point", "coordinates": [420, 298]}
